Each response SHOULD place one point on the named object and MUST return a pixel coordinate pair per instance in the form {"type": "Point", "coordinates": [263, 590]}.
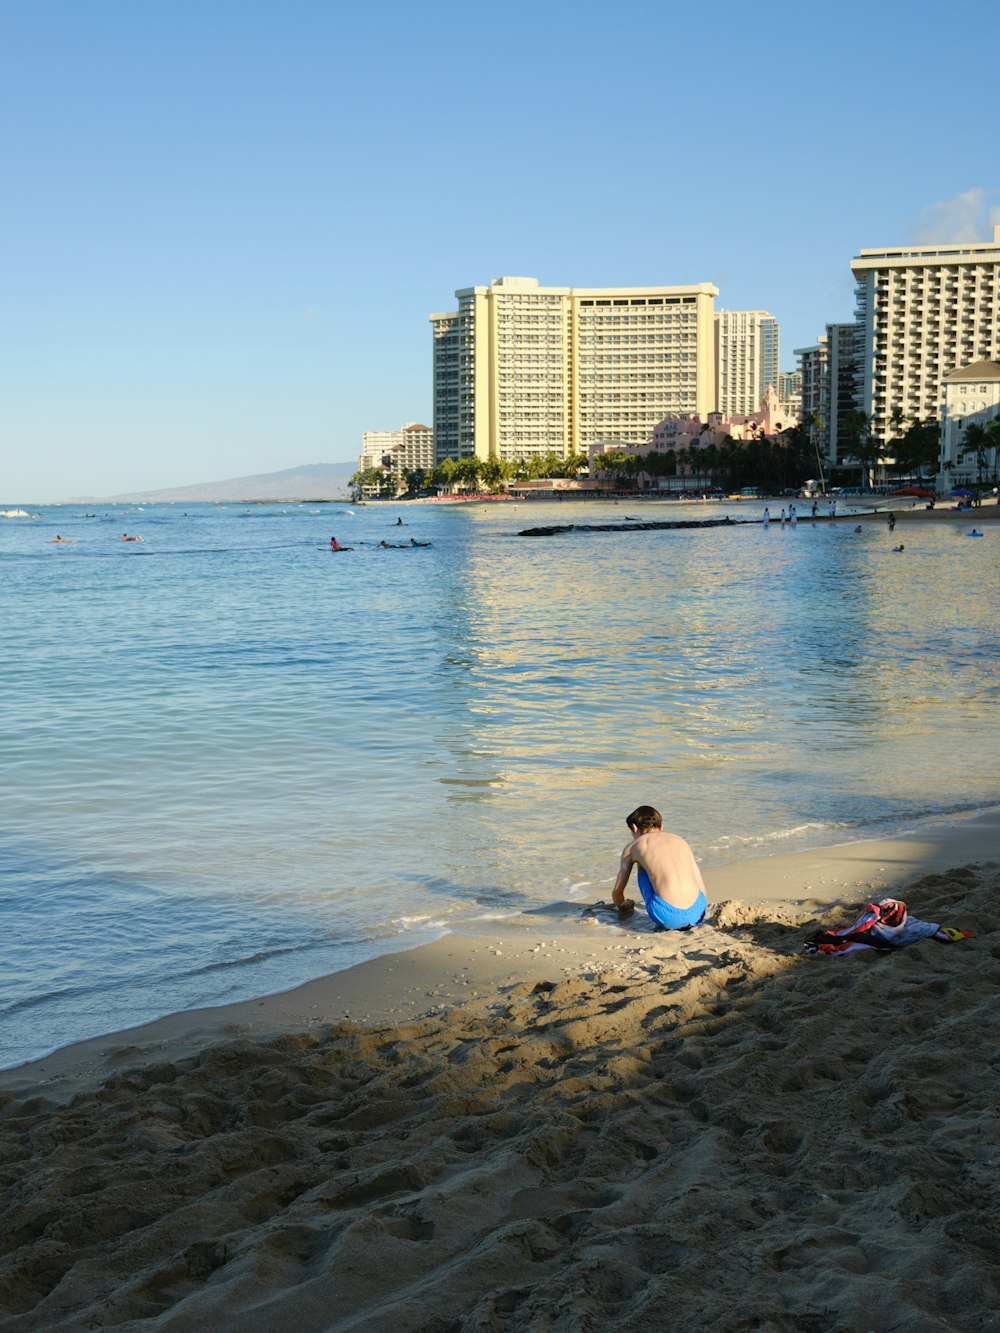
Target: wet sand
{"type": "Point", "coordinates": [558, 1124]}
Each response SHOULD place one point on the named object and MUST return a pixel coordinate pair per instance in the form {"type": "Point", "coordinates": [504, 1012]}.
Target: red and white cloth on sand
{"type": "Point", "coordinates": [884, 926]}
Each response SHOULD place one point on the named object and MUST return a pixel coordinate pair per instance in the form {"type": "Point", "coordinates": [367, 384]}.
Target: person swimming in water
{"type": "Point", "coordinates": [669, 879]}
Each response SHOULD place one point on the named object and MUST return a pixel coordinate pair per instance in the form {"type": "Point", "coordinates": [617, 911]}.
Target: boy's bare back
{"type": "Point", "coordinates": [669, 862]}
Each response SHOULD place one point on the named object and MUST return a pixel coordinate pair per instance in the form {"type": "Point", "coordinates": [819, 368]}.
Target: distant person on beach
{"type": "Point", "coordinates": [892, 522]}
{"type": "Point", "coordinates": [767, 517]}
{"type": "Point", "coordinates": [669, 879]}
{"type": "Point", "coordinates": [815, 509]}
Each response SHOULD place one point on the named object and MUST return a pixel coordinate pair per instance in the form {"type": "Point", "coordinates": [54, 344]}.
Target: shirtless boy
{"type": "Point", "coordinates": [669, 878]}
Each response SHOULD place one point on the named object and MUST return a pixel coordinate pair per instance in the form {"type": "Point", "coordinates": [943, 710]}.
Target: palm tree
{"type": "Point", "coordinates": [491, 473]}
{"type": "Point", "coordinates": [413, 479]}
{"type": "Point", "coordinates": [614, 462]}
{"type": "Point", "coordinates": [978, 440]}
{"type": "Point", "coordinates": [993, 430]}
{"type": "Point", "coordinates": [710, 460]}
{"type": "Point", "coordinates": [861, 445]}
{"type": "Point", "coordinates": [444, 473]}
{"type": "Point", "coordinates": [572, 465]}
{"type": "Point", "coordinates": [917, 448]}
{"type": "Point", "coordinates": [467, 471]}
{"type": "Point", "coordinates": [812, 424]}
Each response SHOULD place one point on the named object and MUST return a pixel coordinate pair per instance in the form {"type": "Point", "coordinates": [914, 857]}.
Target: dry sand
{"type": "Point", "coordinates": [616, 1130]}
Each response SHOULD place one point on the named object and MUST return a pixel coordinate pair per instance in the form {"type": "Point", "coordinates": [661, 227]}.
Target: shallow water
{"type": "Point", "coordinates": [234, 760]}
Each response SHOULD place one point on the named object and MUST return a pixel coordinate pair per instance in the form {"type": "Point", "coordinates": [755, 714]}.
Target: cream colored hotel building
{"type": "Point", "coordinates": [924, 311]}
{"type": "Point", "coordinates": [521, 369]}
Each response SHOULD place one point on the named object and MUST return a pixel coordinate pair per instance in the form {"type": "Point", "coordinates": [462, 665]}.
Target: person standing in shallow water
{"type": "Point", "coordinates": [669, 879]}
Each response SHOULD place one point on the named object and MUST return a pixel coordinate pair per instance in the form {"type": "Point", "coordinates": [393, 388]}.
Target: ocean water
{"type": "Point", "coordinates": [234, 760]}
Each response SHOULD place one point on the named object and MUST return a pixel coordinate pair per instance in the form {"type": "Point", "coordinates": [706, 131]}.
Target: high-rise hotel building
{"type": "Point", "coordinates": [924, 311]}
{"type": "Point", "coordinates": [747, 357]}
{"type": "Point", "coordinates": [829, 378]}
{"type": "Point", "coordinates": [521, 369]}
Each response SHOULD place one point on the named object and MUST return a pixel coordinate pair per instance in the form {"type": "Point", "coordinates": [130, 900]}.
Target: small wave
{"type": "Point", "coordinates": [825, 832]}
{"type": "Point", "coordinates": [776, 835]}
{"type": "Point", "coordinates": [261, 956]}
{"type": "Point", "coordinates": [423, 922]}
{"type": "Point", "coordinates": [46, 997]}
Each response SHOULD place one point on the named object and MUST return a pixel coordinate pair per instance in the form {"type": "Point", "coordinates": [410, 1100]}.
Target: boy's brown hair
{"type": "Point", "coordinates": [645, 818]}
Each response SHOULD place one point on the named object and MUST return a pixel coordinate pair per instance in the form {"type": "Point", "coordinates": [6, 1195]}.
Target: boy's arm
{"type": "Point", "coordinates": [624, 870]}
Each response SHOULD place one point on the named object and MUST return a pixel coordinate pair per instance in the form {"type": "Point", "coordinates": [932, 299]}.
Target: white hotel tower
{"type": "Point", "coordinates": [521, 369]}
{"type": "Point", "coordinates": [924, 311]}
{"type": "Point", "coordinates": [747, 357]}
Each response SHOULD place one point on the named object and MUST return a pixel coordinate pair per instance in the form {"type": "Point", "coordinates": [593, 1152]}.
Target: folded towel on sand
{"type": "Point", "coordinates": [884, 926]}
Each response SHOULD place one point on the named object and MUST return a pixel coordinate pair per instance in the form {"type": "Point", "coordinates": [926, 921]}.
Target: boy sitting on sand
{"type": "Point", "coordinates": [669, 878]}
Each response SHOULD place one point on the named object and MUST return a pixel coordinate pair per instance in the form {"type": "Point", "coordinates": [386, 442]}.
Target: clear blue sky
{"type": "Point", "coordinates": [225, 223]}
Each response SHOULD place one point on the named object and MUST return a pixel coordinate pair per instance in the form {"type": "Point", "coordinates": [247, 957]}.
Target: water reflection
{"type": "Point", "coordinates": [744, 677]}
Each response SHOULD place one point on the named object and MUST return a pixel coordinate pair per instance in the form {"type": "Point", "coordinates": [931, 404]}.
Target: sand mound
{"type": "Point", "coordinates": [740, 1138]}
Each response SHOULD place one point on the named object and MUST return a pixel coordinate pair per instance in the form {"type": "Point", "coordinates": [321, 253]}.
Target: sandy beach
{"type": "Point", "coordinates": [561, 1123]}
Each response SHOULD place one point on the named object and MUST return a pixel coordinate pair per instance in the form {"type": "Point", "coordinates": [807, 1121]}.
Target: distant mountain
{"type": "Point", "coordinates": [311, 481]}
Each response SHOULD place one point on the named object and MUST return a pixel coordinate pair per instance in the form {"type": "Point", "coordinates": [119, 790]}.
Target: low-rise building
{"type": "Point", "coordinates": [690, 430]}
{"type": "Point", "coordinates": [971, 398]}
{"type": "Point", "coordinates": [397, 450]}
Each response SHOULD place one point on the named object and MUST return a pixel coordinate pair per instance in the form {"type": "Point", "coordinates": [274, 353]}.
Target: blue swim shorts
{"type": "Point", "coordinates": [665, 914]}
